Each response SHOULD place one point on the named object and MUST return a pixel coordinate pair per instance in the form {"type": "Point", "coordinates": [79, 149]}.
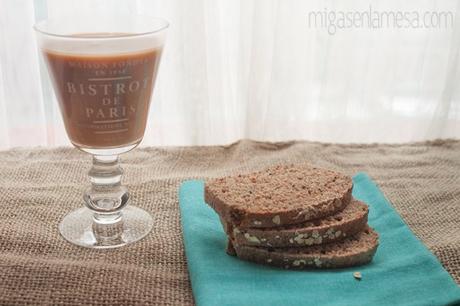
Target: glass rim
{"type": "Point", "coordinates": [164, 25]}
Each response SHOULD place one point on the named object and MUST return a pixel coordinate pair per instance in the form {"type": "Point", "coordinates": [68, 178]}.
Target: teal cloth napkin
{"type": "Point", "coordinates": [403, 271]}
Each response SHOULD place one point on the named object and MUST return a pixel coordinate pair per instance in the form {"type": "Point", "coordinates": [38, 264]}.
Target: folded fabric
{"type": "Point", "coordinates": [403, 271]}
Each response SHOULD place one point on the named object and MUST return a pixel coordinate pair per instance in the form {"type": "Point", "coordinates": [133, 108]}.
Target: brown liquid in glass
{"type": "Point", "coordinates": [104, 99]}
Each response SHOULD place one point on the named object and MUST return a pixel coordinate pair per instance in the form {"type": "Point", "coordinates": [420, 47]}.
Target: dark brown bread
{"type": "Point", "coordinates": [280, 195]}
{"type": "Point", "coordinates": [352, 251]}
{"type": "Point", "coordinates": [230, 249]}
{"type": "Point", "coordinates": [333, 228]}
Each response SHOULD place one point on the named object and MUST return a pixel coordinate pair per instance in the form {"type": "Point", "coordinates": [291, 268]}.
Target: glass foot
{"type": "Point", "coordinates": [79, 227]}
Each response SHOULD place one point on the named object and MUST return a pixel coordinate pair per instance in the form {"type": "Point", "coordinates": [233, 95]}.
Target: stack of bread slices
{"type": "Point", "coordinates": [293, 216]}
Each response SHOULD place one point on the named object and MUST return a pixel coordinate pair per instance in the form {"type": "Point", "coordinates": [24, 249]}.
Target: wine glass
{"type": "Point", "coordinates": [103, 72]}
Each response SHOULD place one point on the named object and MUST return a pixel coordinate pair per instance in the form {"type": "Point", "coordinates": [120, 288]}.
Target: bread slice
{"type": "Point", "coordinates": [333, 228]}
{"type": "Point", "coordinates": [277, 196]}
{"type": "Point", "coordinates": [355, 250]}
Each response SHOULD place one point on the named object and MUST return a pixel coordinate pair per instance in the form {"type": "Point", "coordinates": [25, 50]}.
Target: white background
{"type": "Point", "coordinates": [255, 69]}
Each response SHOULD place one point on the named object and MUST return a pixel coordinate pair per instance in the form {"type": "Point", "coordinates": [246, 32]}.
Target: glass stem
{"type": "Point", "coordinates": [106, 197]}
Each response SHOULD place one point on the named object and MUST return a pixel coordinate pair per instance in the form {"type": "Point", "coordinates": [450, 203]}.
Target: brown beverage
{"type": "Point", "coordinates": [104, 99]}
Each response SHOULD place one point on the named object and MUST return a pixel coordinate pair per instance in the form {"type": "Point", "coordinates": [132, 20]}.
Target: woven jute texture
{"type": "Point", "coordinates": [38, 187]}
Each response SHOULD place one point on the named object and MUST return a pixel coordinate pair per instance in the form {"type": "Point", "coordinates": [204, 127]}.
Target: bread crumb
{"type": "Point", "coordinates": [357, 275]}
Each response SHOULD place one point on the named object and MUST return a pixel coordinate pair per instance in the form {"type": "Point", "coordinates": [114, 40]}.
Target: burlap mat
{"type": "Point", "coordinates": [39, 186]}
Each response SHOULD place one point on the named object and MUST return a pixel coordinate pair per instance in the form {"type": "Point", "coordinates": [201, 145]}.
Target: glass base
{"type": "Point", "coordinates": [80, 227]}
